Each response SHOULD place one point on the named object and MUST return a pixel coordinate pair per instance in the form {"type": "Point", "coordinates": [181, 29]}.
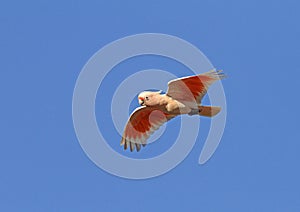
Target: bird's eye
{"type": "Point", "coordinates": [147, 98]}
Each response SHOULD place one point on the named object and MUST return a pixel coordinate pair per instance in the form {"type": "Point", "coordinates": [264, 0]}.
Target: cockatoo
{"type": "Point", "coordinates": [184, 96]}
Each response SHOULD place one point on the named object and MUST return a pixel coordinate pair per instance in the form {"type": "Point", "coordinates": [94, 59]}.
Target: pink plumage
{"type": "Point", "coordinates": [184, 96]}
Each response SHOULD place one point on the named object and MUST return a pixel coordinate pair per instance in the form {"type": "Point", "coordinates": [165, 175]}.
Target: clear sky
{"type": "Point", "coordinates": [45, 44]}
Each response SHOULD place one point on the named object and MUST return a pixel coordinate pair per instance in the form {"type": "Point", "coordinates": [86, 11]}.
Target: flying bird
{"type": "Point", "coordinates": [184, 96]}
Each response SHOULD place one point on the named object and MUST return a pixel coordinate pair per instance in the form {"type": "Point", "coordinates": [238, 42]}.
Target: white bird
{"type": "Point", "coordinates": [184, 96]}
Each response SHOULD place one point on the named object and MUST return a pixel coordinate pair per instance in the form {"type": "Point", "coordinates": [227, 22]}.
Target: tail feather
{"type": "Point", "coordinates": [209, 111]}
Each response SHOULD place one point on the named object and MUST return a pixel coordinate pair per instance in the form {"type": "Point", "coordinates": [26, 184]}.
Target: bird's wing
{"type": "Point", "coordinates": [141, 124]}
{"type": "Point", "coordinates": [193, 88]}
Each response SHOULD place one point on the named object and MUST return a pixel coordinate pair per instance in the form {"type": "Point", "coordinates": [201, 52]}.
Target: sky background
{"type": "Point", "coordinates": [45, 44]}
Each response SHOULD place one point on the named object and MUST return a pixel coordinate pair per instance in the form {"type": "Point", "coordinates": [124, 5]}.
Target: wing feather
{"type": "Point", "coordinates": [193, 88]}
{"type": "Point", "coordinates": [141, 124]}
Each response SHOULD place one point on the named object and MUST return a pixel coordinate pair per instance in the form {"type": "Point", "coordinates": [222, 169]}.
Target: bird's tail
{"type": "Point", "coordinates": [209, 111]}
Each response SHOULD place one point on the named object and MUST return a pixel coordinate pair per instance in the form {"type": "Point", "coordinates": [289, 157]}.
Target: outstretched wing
{"type": "Point", "coordinates": [193, 88]}
{"type": "Point", "coordinates": [141, 124]}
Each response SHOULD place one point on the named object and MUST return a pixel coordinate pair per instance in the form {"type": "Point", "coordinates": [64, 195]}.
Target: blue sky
{"type": "Point", "coordinates": [45, 44]}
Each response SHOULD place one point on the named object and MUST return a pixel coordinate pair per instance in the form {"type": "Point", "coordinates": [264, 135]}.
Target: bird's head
{"type": "Point", "coordinates": [148, 98]}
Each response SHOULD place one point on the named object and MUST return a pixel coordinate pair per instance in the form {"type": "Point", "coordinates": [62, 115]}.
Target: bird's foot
{"type": "Point", "coordinates": [194, 112]}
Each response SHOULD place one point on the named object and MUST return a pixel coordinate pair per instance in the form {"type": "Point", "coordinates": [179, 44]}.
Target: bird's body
{"type": "Point", "coordinates": [184, 96]}
{"type": "Point", "coordinates": [167, 104]}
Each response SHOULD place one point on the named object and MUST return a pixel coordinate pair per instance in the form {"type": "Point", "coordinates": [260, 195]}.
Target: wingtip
{"type": "Point", "coordinates": [218, 73]}
{"type": "Point", "coordinates": [122, 142]}
{"type": "Point", "coordinates": [138, 147]}
{"type": "Point", "coordinates": [131, 145]}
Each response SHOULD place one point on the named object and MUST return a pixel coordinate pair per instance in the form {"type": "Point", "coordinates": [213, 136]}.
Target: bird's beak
{"type": "Point", "coordinates": [141, 101]}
